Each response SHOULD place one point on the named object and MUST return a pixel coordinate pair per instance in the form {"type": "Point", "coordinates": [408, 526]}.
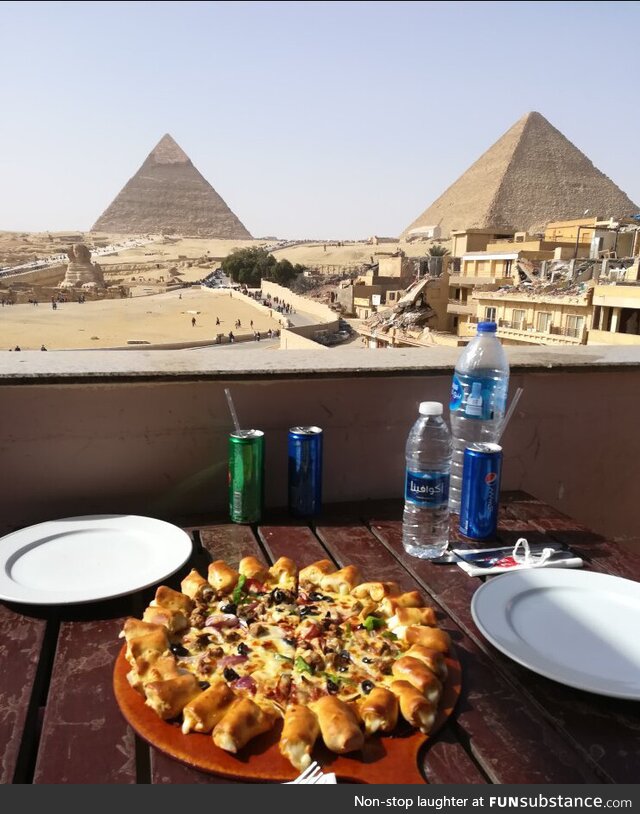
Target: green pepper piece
{"type": "Point", "coordinates": [239, 589]}
{"type": "Point", "coordinates": [372, 623]}
{"type": "Point", "coordinates": [302, 666]}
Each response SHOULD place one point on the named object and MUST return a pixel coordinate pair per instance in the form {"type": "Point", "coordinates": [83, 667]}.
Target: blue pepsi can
{"type": "Point", "coordinates": [305, 471]}
{"type": "Point", "coordinates": [481, 472]}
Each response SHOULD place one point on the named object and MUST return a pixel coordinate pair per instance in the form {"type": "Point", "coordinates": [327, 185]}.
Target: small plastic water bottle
{"type": "Point", "coordinates": [478, 399]}
{"type": "Point", "coordinates": [425, 522]}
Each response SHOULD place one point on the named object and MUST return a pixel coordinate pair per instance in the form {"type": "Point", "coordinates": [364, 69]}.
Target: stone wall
{"type": "Point", "coordinates": [302, 337]}
{"type": "Point", "coordinates": [322, 311]}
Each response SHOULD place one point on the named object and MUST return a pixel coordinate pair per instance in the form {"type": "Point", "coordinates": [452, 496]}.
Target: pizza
{"type": "Point", "coordinates": [332, 657]}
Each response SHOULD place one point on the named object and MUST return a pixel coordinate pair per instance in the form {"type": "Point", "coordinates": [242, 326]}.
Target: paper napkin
{"type": "Point", "coordinates": [485, 561]}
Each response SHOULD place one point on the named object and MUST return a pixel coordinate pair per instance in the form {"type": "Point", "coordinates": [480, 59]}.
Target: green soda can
{"type": "Point", "coordinates": [246, 475]}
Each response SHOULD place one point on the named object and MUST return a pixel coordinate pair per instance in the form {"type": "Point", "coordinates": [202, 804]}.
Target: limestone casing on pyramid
{"type": "Point", "coordinates": [169, 195]}
{"type": "Point", "coordinates": [530, 176]}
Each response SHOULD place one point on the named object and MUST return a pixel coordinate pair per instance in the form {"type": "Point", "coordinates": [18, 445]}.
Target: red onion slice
{"type": "Point", "coordinates": [230, 661]}
{"type": "Point", "coordinates": [222, 620]}
{"type": "Point", "coordinates": [245, 683]}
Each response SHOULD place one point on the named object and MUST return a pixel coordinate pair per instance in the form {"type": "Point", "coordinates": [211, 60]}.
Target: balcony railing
{"type": "Point", "coordinates": [473, 280]}
{"type": "Point", "coordinates": [528, 332]}
{"type": "Point", "coordinates": [459, 307]}
{"type": "Point", "coordinates": [87, 413]}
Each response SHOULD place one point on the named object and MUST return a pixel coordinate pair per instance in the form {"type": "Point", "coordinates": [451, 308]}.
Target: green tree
{"type": "Point", "coordinates": [284, 272]}
{"type": "Point", "coordinates": [248, 266]}
{"type": "Point", "coordinates": [437, 250]}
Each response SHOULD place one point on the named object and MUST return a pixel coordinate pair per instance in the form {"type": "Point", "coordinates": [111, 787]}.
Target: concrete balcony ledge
{"type": "Point", "coordinates": [457, 307]}
{"type": "Point", "coordinates": [35, 367]}
{"type": "Point", "coordinates": [533, 335]}
{"type": "Point", "coordinates": [95, 432]}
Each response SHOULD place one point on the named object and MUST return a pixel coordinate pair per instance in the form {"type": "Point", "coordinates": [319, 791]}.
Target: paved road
{"type": "Point", "coordinates": [261, 345]}
{"type": "Point", "coordinates": [300, 318]}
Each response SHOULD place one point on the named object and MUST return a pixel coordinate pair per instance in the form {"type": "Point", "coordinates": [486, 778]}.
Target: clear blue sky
{"type": "Point", "coordinates": [314, 119]}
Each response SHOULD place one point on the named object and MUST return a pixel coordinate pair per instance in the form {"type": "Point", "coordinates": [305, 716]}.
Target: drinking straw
{"type": "Point", "coordinates": [232, 409]}
{"type": "Point", "coordinates": [510, 411]}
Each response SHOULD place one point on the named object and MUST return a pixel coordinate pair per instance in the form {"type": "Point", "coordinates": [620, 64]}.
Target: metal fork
{"type": "Point", "coordinates": [309, 776]}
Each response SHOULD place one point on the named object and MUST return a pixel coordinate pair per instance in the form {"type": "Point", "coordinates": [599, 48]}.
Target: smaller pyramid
{"type": "Point", "coordinates": [169, 195]}
{"type": "Point", "coordinates": [530, 176]}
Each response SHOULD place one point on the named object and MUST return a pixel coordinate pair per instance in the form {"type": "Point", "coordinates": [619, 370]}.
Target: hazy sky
{"type": "Point", "coordinates": [313, 119]}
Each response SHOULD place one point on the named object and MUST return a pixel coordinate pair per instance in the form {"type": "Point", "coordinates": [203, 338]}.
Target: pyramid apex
{"type": "Point", "coordinates": [533, 116]}
{"type": "Point", "coordinates": [167, 151]}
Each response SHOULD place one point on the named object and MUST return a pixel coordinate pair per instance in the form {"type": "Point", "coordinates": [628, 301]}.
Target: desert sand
{"type": "Point", "coordinates": [162, 318]}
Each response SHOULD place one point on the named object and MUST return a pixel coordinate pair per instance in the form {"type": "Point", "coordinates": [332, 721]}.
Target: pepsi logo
{"type": "Point", "coordinates": [490, 477]}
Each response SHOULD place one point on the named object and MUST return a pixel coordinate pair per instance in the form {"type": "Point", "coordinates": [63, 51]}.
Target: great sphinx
{"type": "Point", "coordinates": [81, 272]}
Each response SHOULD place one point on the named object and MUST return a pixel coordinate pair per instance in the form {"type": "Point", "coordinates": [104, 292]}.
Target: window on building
{"type": "Point", "coordinates": [517, 319]}
{"type": "Point", "coordinates": [543, 322]}
{"type": "Point", "coordinates": [629, 321]}
{"type": "Point", "coordinates": [392, 296]}
{"type": "Point", "coordinates": [490, 314]}
{"type": "Point", "coordinates": [574, 325]}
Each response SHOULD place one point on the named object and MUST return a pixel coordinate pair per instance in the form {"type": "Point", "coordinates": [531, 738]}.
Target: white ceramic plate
{"type": "Point", "coordinates": [576, 627]}
{"type": "Point", "coordinates": [84, 559]}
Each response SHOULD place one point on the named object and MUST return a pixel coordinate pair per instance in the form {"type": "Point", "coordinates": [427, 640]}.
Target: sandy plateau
{"type": "Point", "coordinates": [156, 310]}
{"type": "Point", "coordinates": [160, 318]}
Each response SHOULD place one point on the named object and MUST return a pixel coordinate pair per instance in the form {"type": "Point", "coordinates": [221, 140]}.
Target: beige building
{"type": "Point", "coordinates": [379, 288]}
{"type": "Point", "coordinates": [465, 241]}
{"type": "Point", "coordinates": [484, 269]}
{"type": "Point", "coordinates": [616, 310]}
{"type": "Point", "coordinates": [596, 237]}
{"type": "Point", "coordinates": [605, 312]}
{"type": "Point", "coordinates": [504, 261]}
{"type": "Point", "coordinates": [550, 318]}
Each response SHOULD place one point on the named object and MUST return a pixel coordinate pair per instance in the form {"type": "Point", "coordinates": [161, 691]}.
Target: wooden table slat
{"type": "Point", "coordinates": [602, 554]}
{"type": "Point", "coordinates": [511, 749]}
{"type": "Point", "coordinates": [448, 762]}
{"type": "Point", "coordinates": [21, 639]}
{"type": "Point", "coordinates": [592, 724]}
{"type": "Point", "coordinates": [297, 542]}
{"type": "Point", "coordinates": [511, 725]}
{"type": "Point", "coordinates": [166, 770]}
{"type": "Point", "coordinates": [85, 739]}
{"type": "Point", "coordinates": [230, 542]}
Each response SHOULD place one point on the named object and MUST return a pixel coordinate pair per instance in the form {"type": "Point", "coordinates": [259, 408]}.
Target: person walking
{"type": "Point", "coordinates": [193, 322]}
{"type": "Point", "coordinates": [232, 338]}
{"type": "Point", "coordinates": [217, 320]}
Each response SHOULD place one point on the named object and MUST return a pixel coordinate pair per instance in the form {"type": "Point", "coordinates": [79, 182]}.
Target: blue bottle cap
{"type": "Point", "coordinates": [487, 327]}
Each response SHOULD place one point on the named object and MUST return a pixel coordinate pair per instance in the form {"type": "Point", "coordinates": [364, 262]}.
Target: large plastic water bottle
{"type": "Point", "coordinates": [478, 399]}
{"type": "Point", "coordinates": [425, 522]}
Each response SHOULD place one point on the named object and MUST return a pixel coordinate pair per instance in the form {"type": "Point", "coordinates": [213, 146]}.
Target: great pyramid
{"type": "Point", "coordinates": [532, 175]}
{"type": "Point", "coordinates": [168, 194]}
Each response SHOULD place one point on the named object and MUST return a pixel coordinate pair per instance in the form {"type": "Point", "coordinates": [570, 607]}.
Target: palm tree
{"type": "Point", "coordinates": [437, 250]}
